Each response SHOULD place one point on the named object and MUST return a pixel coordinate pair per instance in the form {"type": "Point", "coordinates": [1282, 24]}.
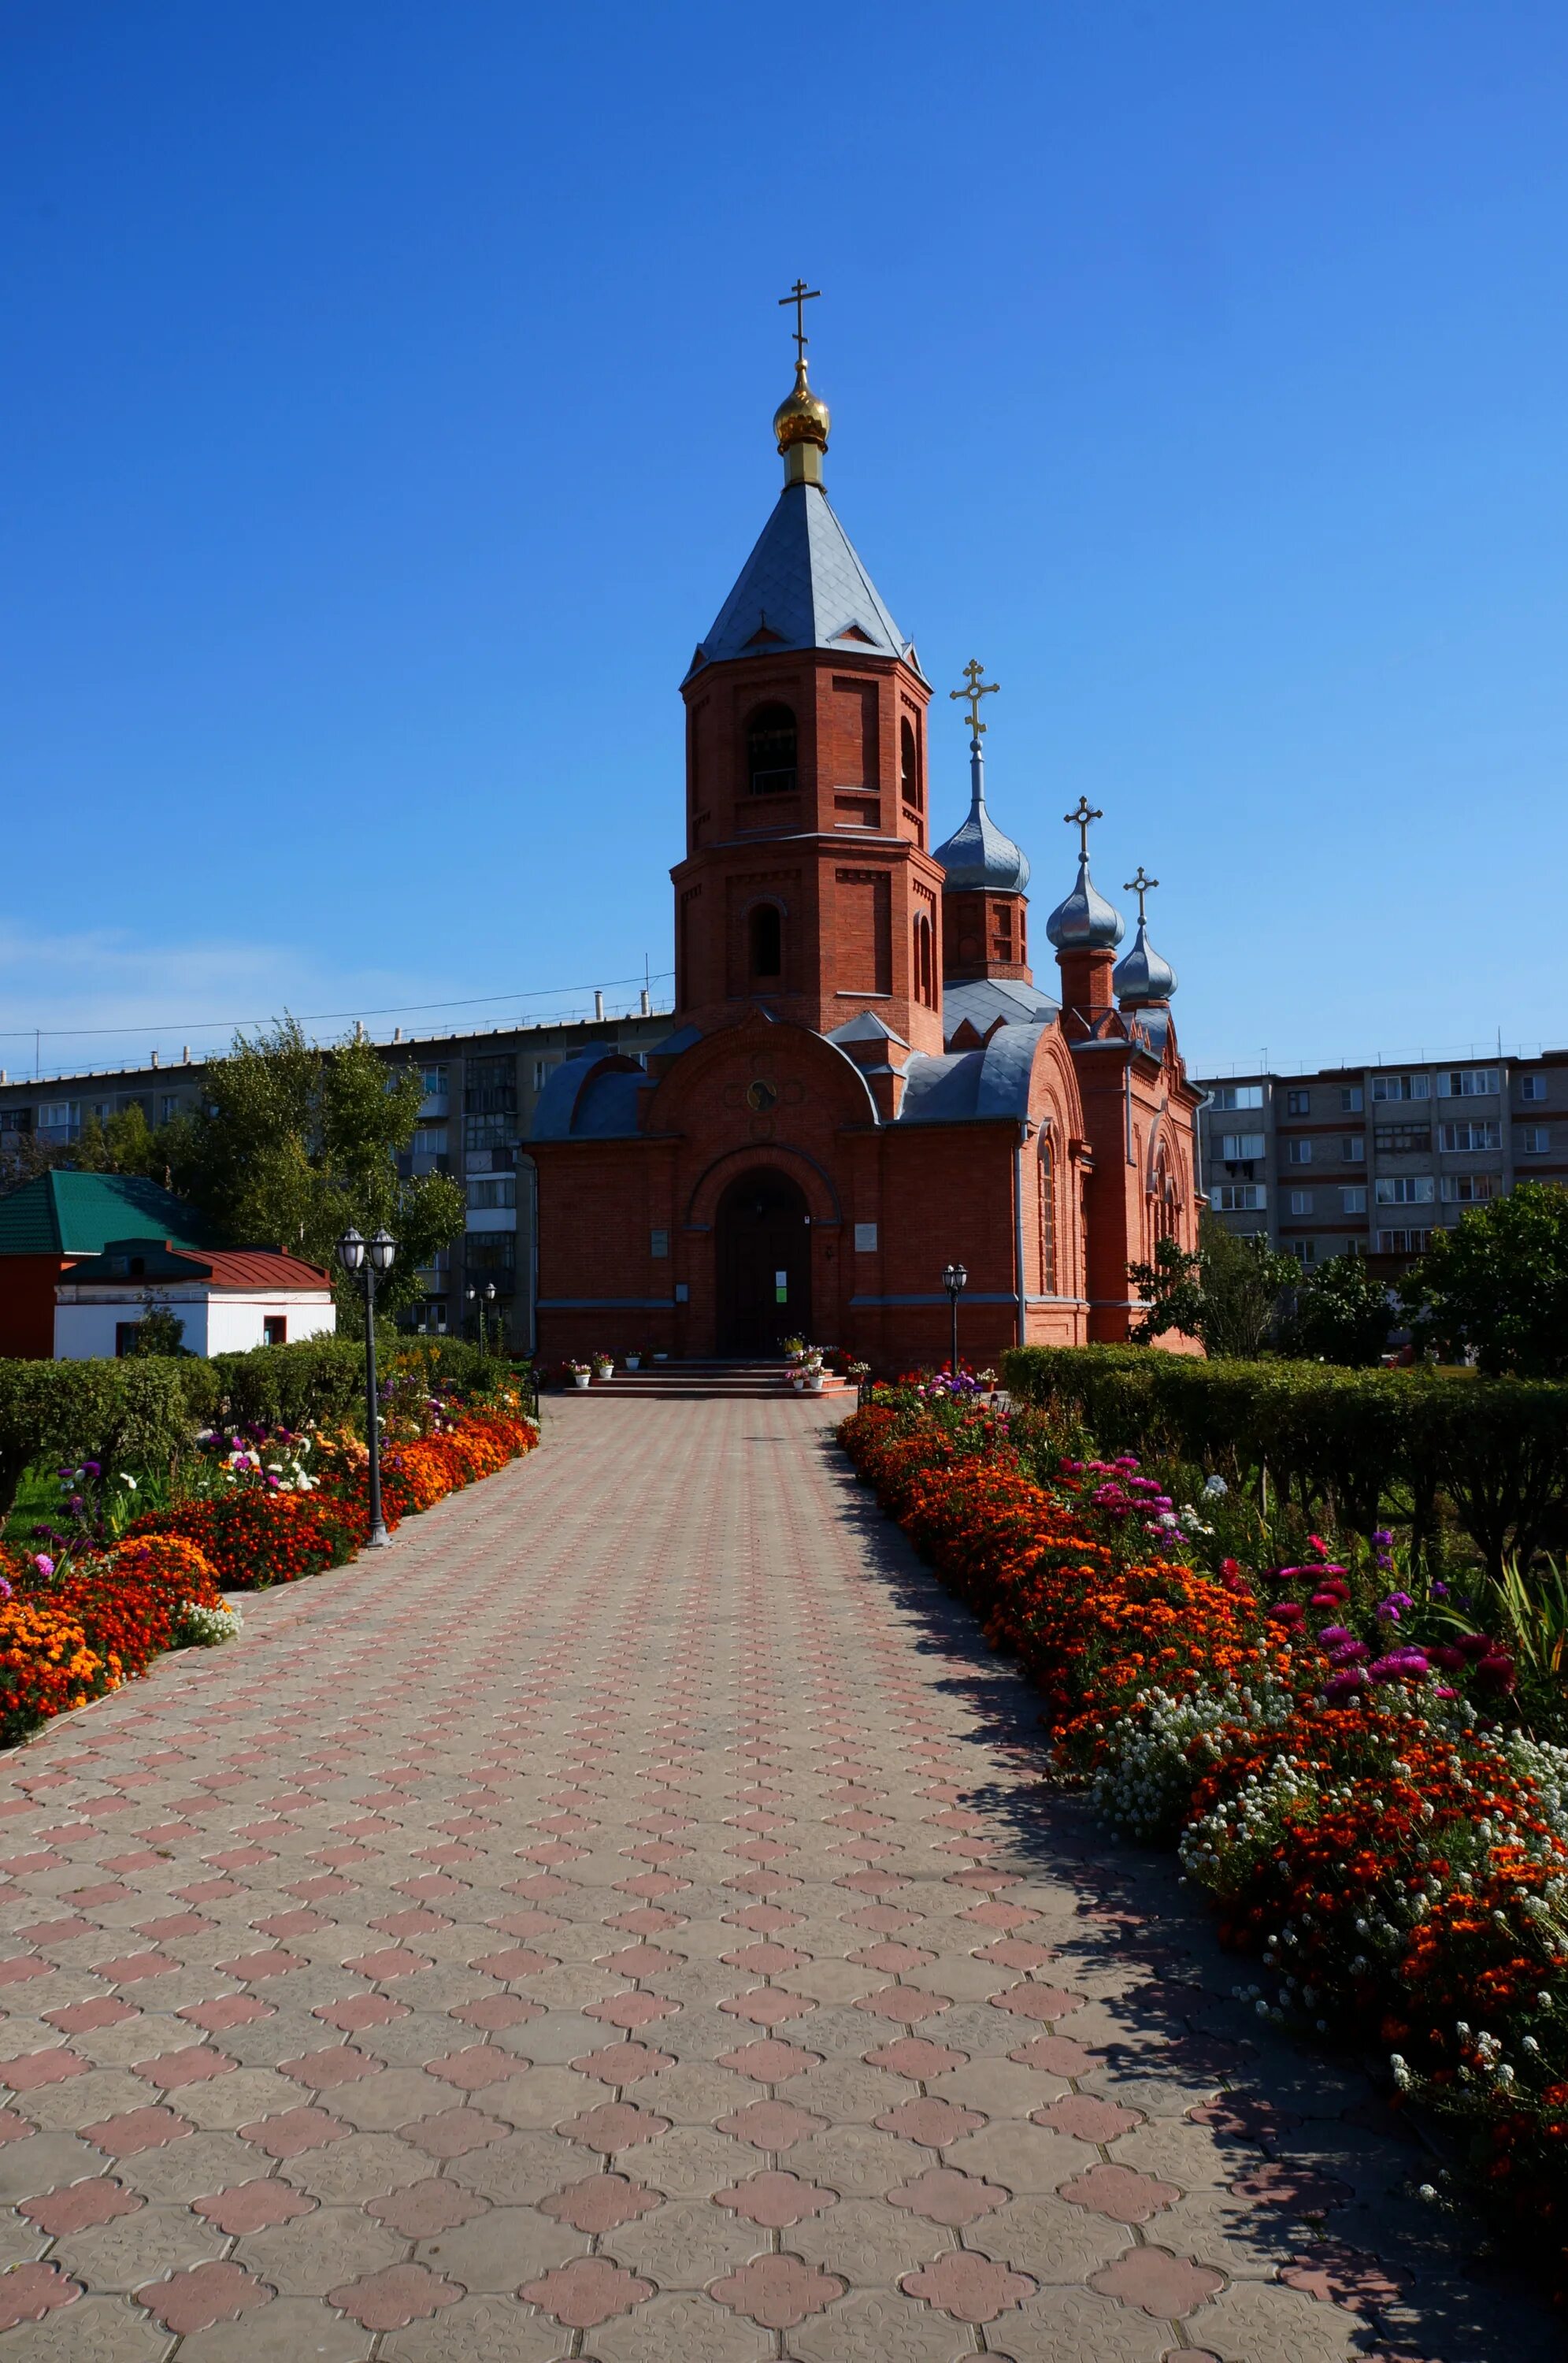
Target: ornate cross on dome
{"type": "Point", "coordinates": [1080, 821]}
{"type": "Point", "coordinates": [1141, 886]}
{"type": "Point", "coordinates": [978, 689]}
{"type": "Point", "coordinates": [801, 296]}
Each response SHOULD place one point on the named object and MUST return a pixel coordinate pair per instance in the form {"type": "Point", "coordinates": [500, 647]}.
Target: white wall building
{"type": "Point", "coordinates": [225, 1300]}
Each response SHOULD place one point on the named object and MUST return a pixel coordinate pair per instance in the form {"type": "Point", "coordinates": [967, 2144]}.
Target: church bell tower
{"type": "Point", "coordinates": [808, 888]}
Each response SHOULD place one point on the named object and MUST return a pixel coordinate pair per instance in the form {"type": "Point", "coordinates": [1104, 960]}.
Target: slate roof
{"type": "Point", "coordinates": [802, 587]}
{"type": "Point", "coordinates": [983, 999]}
{"type": "Point", "coordinates": [972, 1086]}
{"type": "Point", "coordinates": [61, 1213]}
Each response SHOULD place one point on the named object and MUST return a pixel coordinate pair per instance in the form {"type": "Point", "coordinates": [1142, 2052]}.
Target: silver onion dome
{"type": "Point", "coordinates": [1086, 921]}
{"type": "Point", "coordinates": [1142, 974]}
{"type": "Point", "coordinates": [978, 854]}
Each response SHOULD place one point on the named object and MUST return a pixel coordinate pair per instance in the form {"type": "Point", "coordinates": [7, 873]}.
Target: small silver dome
{"type": "Point", "coordinates": [978, 854]}
{"type": "Point", "coordinates": [1086, 921]}
{"type": "Point", "coordinates": [1141, 974]}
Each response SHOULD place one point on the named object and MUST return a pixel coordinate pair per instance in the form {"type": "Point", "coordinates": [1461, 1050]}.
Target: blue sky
{"type": "Point", "coordinates": [385, 418]}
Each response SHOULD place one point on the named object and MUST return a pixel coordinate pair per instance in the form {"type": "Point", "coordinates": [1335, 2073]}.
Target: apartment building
{"type": "Point", "coordinates": [1371, 1160]}
{"type": "Point", "coordinates": [481, 1089]}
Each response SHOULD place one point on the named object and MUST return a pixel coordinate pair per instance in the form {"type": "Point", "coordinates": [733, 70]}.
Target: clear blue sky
{"type": "Point", "coordinates": [385, 418]}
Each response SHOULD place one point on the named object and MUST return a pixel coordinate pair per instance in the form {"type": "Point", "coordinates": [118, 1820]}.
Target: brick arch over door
{"type": "Point", "coordinates": [822, 1197]}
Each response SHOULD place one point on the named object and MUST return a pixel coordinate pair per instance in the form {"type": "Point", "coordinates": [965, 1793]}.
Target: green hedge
{"type": "Point", "coordinates": [140, 1414]}
{"type": "Point", "coordinates": [1355, 1444]}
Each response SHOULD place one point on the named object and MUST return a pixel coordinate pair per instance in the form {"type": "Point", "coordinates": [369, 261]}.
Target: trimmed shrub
{"type": "Point", "coordinates": [1345, 1442]}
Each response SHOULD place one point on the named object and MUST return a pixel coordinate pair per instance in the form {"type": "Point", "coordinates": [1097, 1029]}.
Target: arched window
{"type": "Point", "coordinates": [908, 767]}
{"type": "Point", "coordinates": [1047, 1217]}
{"type": "Point", "coordinates": [924, 978]}
{"type": "Point", "coordinates": [770, 751]}
{"type": "Point", "coordinates": [765, 943]}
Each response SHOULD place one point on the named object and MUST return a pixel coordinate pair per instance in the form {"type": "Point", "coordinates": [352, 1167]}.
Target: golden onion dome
{"type": "Point", "coordinates": [802, 416]}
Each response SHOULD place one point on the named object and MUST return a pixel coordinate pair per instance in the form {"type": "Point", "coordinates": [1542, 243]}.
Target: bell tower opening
{"type": "Point", "coordinates": [770, 743]}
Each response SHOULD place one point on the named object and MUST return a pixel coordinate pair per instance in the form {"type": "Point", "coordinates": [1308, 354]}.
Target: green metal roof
{"type": "Point", "coordinates": [61, 1213]}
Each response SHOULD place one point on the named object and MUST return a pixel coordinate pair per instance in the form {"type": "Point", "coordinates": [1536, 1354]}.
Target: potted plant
{"type": "Point", "coordinates": [634, 1362]}
{"type": "Point", "coordinates": [603, 1366]}
{"type": "Point", "coordinates": [581, 1372]}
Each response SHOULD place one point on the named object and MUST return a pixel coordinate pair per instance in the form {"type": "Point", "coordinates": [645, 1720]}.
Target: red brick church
{"type": "Point", "coordinates": [864, 1082]}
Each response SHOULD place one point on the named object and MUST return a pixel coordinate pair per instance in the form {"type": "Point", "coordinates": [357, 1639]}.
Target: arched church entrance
{"type": "Point", "coordinates": [763, 1248]}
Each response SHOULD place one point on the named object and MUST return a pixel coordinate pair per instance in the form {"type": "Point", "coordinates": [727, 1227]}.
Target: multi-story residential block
{"type": "Point", "coordinates": [1371, 1160]}
{"type": "Point", "coordinates": [480, 1091]}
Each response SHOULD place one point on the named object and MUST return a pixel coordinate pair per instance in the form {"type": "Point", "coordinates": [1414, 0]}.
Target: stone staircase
{"type": "Point", "coordinates": [698, 1381]}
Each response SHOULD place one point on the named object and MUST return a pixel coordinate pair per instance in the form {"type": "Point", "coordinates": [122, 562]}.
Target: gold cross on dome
{"type": "Point", "coordinates": [1141, 886]}
{"type": "Point", "coordinates": [1080, 821]}
{"type": "Point", "coordinates": [801, 296]}
{"type": "Point", "coordinates": [978, 689]}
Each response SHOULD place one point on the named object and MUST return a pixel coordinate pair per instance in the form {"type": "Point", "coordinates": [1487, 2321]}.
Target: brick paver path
{"type": "Point", "coordinates": [621, 1922]}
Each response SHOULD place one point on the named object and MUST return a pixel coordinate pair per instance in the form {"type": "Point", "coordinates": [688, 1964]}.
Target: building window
{"type": "Point", "coordinates": [1301, 1202]}
{"type": "Point", "coordinates": [1239, 1197]}
{"type": "Point", "coordinates": [492, 1254]}
{"type": "Point", "coordinates": [1350, 1099]}
{"type": "Point", "coordinates": [431, 1316]}
{"type": "Point", "coordinates": [1532, 1087]}
{"type": "Point", "coordinates": [59, 1120]}
{"type": "Point", "coordinates": [1304, 1250]}
{"type": "Point", "coordinates": [924, 963]}
{"type": "Point", "coordinates": [1468, 1082]}
{"type": "Point", "coordinates": [908, 767]}
{"type": "Point", "coordinates": [1453, 1137]}
{"type": "Point", "coordinates": [770, 741]}
{"type": "Point", "coordinates": [1298, 1102]}
{"type": "Point", "coordinates": [1406, 1189]}
{"type": "Point", "coordinates": [1401, 1087]}
{"type": "Point", "coordinates": [1298, 1152]}
{"type": "Point", "coordinates": [542, 1072]}
{"type": "Point", "coordinates": [126, 1333]}
{"type": "Point", "coordinates": [274, 1329]}
{"type": "Point", "coordinates": [765, 943]}
{"type": "Point", "coordinates": [1236, 1095]}
{"type": "Point", "coordinates": [1353, 1202]}
{"type": "Point", "coordinates": [433, 1082]}
{"type": "Point", "coordinates": [659, 1244]}
{"type": "Point", "coordinates": [1047, 1217]}
{"type": "Point", "coordinates": [1404, 1140]}
{"type": "Point", "coordinates": [490, 1132]}
{"type": "Point", "coordinates": [1352, 1148]}
{"type": "Point", "coordinates": [429, 1140]}
{"type": "Point", "coordinates": [1238, 1147]}
{"type": "Point", "coordinates": [494, 1191]}
{"type": "Point", "coordinates": [1403, 1242]}
{"type": "Point", "coordinates": [1535, 1139]}
{"type": "Point", "coordinates": [1470, 1188]}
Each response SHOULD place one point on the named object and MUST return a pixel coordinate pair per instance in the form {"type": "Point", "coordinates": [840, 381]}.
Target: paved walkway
{"type": "Point", "coordinates": [619, 1922]}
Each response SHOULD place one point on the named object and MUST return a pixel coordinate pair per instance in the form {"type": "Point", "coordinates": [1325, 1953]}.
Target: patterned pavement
{"type": "Point", "coordinates": [622, 1922]}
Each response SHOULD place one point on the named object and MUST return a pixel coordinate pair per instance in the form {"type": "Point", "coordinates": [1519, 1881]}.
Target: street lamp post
{"type": "Point", "coordinates": [955, 1280]}
{"type": "Point", "coordinates": [480, 1300]}
{"type": "Point", "coordinates": [368, 1261]}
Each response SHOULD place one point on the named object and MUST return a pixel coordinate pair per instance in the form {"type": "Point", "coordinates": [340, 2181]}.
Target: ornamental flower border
{"type": "Point", "coordinates": [1393, 1858]}
{"type": "Point", "coordinates": [71, 1637]}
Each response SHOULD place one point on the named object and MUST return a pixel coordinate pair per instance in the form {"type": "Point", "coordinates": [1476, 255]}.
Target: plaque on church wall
{"type": "Point", "coordinates": [865, 1238]}
{"type": "Point", "coordinates": [658, 1243]}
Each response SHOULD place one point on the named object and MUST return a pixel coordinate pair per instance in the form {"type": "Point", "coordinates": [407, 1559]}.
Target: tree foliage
{"type": "Point", "coordinates": [1342, 1313]}
{"type": "Point", "coordinates": [1496, 1285]}
{"type": "Point", "coordinates": [295, 1144]}
{"type": "Point", "coordinates": [1234, 1293]}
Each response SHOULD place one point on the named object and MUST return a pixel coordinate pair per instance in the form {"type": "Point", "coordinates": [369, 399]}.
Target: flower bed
{"type": "Point", "coordinates": [74, 1628]}
{"type": "Point", "coordinates": [1391, 1851]}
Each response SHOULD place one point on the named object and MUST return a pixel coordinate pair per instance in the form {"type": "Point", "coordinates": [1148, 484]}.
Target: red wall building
{"type": "Point", "coordinates": [864, 1082]}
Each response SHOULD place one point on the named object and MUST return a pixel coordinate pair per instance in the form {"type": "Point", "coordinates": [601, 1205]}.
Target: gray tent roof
{"type": "Point", "coordinates": [802, 587]}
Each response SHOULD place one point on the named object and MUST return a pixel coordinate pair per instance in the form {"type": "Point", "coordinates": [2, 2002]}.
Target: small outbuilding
{"type": "Point", "coordinates": [53, 1222]}
{"type": "Point", "coordinates": [225, 1299]}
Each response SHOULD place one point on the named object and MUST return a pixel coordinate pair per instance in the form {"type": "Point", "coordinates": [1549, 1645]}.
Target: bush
{"type": "Point", "coordinates": [135, 1414]}
{"type": "Point", "coordinates": [1337, 1441]}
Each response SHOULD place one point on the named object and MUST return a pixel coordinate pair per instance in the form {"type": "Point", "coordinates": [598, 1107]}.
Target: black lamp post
{"type": "Point", "coordinates": [368, 1261]}
{"type": "Point", "coordinates": [955, 1280]}
{"type": "Point", "coordinates": [487, 1297]}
